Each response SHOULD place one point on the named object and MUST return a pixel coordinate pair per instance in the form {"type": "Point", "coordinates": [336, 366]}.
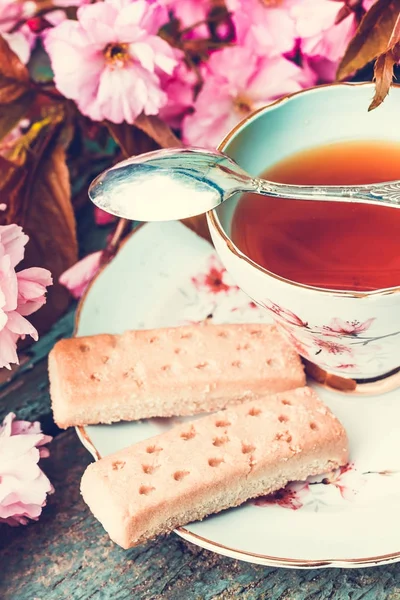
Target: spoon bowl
{"type": "Point", "coordinates": [177, 183]}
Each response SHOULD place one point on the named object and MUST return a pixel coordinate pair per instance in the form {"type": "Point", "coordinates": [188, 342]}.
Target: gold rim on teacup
{"type": "Point", "coordinates": [358, 387]}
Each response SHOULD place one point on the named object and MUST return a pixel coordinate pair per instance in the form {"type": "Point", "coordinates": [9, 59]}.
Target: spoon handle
{"type": "Point", "coordinates": [386, 194]}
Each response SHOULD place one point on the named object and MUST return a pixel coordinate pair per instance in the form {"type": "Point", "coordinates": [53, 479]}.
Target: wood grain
{"type": "Point", "coordinates": [67, 556]}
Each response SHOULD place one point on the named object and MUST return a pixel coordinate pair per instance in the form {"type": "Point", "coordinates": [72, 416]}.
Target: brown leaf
{"type": "Point", "coordinates": [131, 140]}
{"type": "Point", "coordinates": [371, 38]}
{"type": "Point", "coordinates": [383, 76]}
{"type": "Point", "coordinates": [158, 131]}
{"type": "Point", "coordinates": [11, 114]}
{"type": "Point", "coordinates": [14, 76]}
{"type": "Point", "coordinates": [38, 198]}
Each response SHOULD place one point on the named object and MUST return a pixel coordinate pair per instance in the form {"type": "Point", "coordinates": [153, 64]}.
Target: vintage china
{"type": "Point", "coordinates": [350, 335]}
{"type": "Point", "coordinates": [166, 275]}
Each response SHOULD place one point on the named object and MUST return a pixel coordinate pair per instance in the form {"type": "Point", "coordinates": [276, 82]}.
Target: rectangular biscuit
{"type": "Point", "coordinates": [213, 463]}
{"type": "Point", "coordinates": [167, 372]}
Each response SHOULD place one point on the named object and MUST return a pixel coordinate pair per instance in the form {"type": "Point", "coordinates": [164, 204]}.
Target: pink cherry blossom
{"type": "Point", "coordinates": [21, 293]}
{"type": "Point", "coordinates": [10, 13]}
{"type": "Point", "coordinates": [333, 347]}
{"type": "Point", "coordinates": [102, 217]}
{"type": "Point", "coordinates": [339, 327]}
{"type": "Point", "coordinates": [236, 83]}
{"type": "Point", "coordinates": [285, 314]}
{"type": "Point", "coordinates": [110, 60]}
{"type": "Point", "coordinates": [21, 40]}
{"type": "Point", "coordinates": [179, 88]}
{"type": "Point", "coordinates": [190, 12]}
{"type": "Point", "coordinates": [23, 485]}
{"type": "Point", "coordinates": [321, 37]}
{"type": "Point", "coordinates": [77, 278]}
{"type": "Point", "coordinates": [267, 27]}
{"type": "Point", "coordinates": [66, 3]}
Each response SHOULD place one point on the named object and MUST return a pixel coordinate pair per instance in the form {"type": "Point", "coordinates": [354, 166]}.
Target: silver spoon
{"type": "Point", "coordinates": [177, 183]}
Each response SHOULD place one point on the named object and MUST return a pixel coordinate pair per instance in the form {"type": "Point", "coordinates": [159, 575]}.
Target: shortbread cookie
{"type": "Point", "coordinates": [167, 372]}
{"type": "Point", "coordinates": [213, 463]}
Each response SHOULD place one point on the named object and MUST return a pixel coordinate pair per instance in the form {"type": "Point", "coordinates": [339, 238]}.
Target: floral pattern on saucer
{"type": "Point", "coordinates": [180, 274]}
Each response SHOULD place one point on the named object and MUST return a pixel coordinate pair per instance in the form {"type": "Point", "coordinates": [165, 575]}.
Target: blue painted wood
{"type": "Point", "coordinates": [68, 556]}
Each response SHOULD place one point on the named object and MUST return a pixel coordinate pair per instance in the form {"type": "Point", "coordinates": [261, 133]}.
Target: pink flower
{"type": "Point", "coordinates": [283, 313]}
{"type": "Point", "coordinates": [23, 485]}
{"type": "Point", "coordinates": [347, 480]}
{"type": "Point", "coordinates": [266, 28]}
{"type": "Point", "coordinates": [102, 217]}
{"type": "Point", "coordinates": [236, 83]}
{"type": "Point", "coordinates": [77, 278]}
{"type": "Point", "coordinates": [21, 293]}
{"type": "Point", "coordinates": [110, 60]}
{"type": "Point", "coordinates": [179, 88]}
{"type": "Point", "coordinates": [190, 12]}
{"type": "Point", "coordinates": [291, 496]}
{"type": "Point", "coordinates": [10, 13]}
{"type": "Point", "coordinates": [332, 347]}
{"type": "Point", "coordinates": [214, 281]}
{"type": "Point", "coordinates": [66, 3]}
{"type": "Point", "coordinates": [21, 42]}
{"type": "Point", "coordinates": [321, 37]}
{"type": "Point", "coordinates": [32, 284]}
{"type": "Point", "coordinates": [340, 327]}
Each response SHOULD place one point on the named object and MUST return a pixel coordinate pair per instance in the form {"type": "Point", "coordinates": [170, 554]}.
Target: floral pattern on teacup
{"type": "Point", "coordinates": [341, 339]}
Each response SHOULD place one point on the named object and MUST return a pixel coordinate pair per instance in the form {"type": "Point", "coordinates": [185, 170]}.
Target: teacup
{"type": "Point", "coordinates": [347, 338]}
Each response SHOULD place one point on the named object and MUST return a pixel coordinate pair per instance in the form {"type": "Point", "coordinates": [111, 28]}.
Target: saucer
{"type": "Point", "coordinates": [165, 275]}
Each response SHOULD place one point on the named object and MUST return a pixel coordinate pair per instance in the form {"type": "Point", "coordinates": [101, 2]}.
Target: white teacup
{"type": "Point", "coordinates": [345, 336]}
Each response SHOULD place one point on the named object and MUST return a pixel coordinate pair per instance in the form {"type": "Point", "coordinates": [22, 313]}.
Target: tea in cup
{"type": "Point", "coordinates": [328, 273]}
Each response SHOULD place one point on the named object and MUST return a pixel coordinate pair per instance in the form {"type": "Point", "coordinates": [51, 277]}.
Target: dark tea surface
{"type": "Point", "coordinates": [329, 245]}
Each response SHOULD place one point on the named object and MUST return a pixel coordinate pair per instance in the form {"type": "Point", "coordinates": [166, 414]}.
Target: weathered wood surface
{"type": "Point", "coordinates": [67, 555]}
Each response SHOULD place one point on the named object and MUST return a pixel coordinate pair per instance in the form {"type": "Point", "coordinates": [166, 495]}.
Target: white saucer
{"type": "Point", "coordinates": [166, 275]}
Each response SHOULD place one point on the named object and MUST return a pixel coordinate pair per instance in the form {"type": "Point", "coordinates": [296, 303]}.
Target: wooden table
{"type": "Point", "coordinates": [67, 555]}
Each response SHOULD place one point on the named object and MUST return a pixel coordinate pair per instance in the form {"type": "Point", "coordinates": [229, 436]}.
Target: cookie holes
{"type": "Point", "coordinates": [118, 465]}
{"type": "Point", "coordinates": [177, 350]}
{"type": "Point", "coordinates": [149, 469]}
{"type": "Point", "coordinates": [145, 490]}
{"type": "Point", "coordinates": [152, 340]}
{"type": "Point", "coordinates": [186, 336]}
{"type": "Point", "coordinates": [313, 426]}
{"type": "Point", "coordinates": [256, 332]}
{"type": "Point", "coordinates": [286, 403]}
{"type": "Point", "coordinates": [153, 449]}
{"type": "Point", "coordinates": [166, 368]}
{"type": "Point", "coordinates": [254, 412]}
{"type": "Point", "coordinates": [84, 348]}
{"type": "Point", "coordinates": [283, 419]}
{"type": "Point", "coordinates": [243, 347]}
{"type": "Point", "coordinates": [202, 365]}
{"type": "Point", "coordinates": [284, 437]}
{"type": "Point", "coordinates": [95, 377]}
{"type": "Point", "coordinates": [220, 441]}
{"type": "Point", "coordinates": [247, 448]}
{"type": "Point", "coordinates": [105, 359]}
{"type": "Point", "coordinates": [222, 423]}
{"type": "Point", "coordinates": [179, 475]}
{"type": "Point", "coordinates": [188, 435]}
{"type": "Point", "coordinates": [237, 364]}
{"type": "Point", "coordinates": [129, 373]}
{"type": "Point", "coordinates": [222, 334]}
{"type": "Point", "coordinates": [215, 462]}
